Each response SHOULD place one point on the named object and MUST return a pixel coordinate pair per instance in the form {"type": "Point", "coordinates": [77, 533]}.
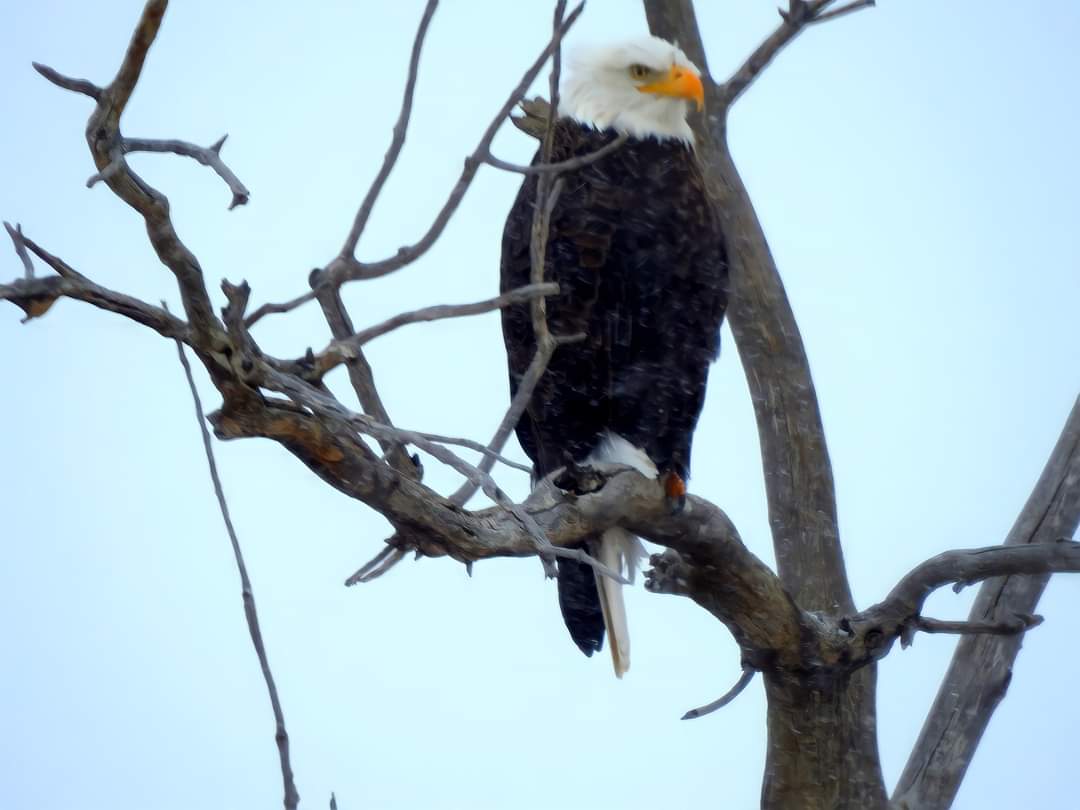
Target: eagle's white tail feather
{"type": "Point", "coordinates": [620, 551]}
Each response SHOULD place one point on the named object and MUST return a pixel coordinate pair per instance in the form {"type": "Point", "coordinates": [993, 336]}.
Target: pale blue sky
{"type": "Point", "coordinates": [915, 169]}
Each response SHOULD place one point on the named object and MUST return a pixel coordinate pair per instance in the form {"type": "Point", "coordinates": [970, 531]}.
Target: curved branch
{"type": "Point", "coordinates": [722, 701]}
{"type": "Point", "coordinates": [206, 155]}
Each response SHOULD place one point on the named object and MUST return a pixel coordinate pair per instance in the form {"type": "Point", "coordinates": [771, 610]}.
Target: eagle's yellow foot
{"type": "Point", "coordinates": [674, 491]}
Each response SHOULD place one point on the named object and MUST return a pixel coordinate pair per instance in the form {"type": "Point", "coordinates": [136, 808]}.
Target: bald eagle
{"type": "Point", "coordinates": [636, 249]}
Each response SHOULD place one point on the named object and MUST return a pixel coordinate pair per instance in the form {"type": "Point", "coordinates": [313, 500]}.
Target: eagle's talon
{"type": "Point", "coordinates": [674, 491]}
{"type": "Point", "coordinates": [675, 505]}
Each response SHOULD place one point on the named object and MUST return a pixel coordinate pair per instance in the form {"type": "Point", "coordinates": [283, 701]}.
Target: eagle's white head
{"type": "Point", "coordinates": [643, 87]}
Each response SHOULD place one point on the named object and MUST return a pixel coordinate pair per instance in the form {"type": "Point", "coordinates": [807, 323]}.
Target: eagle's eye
{"type": "Point", "coordinates": [639, 72]}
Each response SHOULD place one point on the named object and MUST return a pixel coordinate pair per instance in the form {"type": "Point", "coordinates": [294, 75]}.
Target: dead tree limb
{"type": "Point", "coordinates": [251, 613]}
{"type": "Point", "coordinates": [981, 667]}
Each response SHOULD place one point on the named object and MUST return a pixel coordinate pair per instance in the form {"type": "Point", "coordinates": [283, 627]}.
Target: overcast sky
{"type": "Point", "coordinates": [915, 170]}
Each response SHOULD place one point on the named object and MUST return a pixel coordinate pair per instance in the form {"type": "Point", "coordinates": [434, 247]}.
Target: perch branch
{"type": "Point", "coordinates": [722, 701]}
{"type": "Point", "coordinates": [328, 407]}
{"type": "Point", "coordinates": [798, 474]}
{"type": "Point", "coordinates": [292, 798]}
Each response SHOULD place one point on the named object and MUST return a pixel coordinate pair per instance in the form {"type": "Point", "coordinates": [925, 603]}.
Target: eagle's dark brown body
{"type": "Point", "coordinates": [637, 252]}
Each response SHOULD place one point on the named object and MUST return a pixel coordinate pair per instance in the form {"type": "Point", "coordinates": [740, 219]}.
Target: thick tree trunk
{"type": "Point", "coordinates": [822, 744]}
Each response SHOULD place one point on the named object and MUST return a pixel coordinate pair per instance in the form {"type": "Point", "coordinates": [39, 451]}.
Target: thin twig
{"type": "Point", "coordinates": [798, 17]}
{"type": "Point", "coordinates": [16, 235]}
{"type": "Point", "coordinates": [524, 393]}
{"type": "Point", "coordinates": [361, 377]}
{"type": "Point", "coordinates": [341, 350]}
{"type": "Point", "coordinates": [345, 269]}
{"type": "Point", "coordinates": [840, 12]}
{"type": "Point", "coordinates": [721, 702]}
{"type": "Point", "coordinates": [563, 166]}
{"type": "Point", "coordinates": [377, 566]}
{"type": "Point", "coordinates": [329, 408]}
{"type": "Point", "coordinates": [292, 798]}
{"type": "Point", "coordinates": [1021, 623]}
{"type": "Point", "coordinates": [271, 309]}
{"type": "Point", "coordinates": [479, 448]}
{"type": "Point", "coordinates": [548, 187]}
{"type": "Point", "coordinates": [398, 140]}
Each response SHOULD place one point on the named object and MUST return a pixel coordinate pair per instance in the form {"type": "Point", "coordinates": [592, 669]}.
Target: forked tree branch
{"type": "Point", "coordinates": [206, 155]}
{"type": "Point", "coordinates": [345, 269]}
{"type": "Point", "coordinates": [873, 631]}
{"type": "Point", "coordinates": [982, 665]}
{"type": "Point", "coordinates": [37, 295]}
{"type": "Point", "coordinates": [106, 145]}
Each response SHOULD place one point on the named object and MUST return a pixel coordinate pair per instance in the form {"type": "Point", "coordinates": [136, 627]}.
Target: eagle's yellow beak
{"type": "Point", "coordinates": [680, 82]}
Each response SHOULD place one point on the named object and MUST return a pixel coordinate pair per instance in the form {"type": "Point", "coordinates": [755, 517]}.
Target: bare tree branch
{"type": "Point", "coordinates": [361, 375]}
{"type": "Point", "coordinates": [873, 631]}
{"type": "Point", "coordinates": [292, 798]}
{"type": "Point", "coordinates": [207, 156]}
{"type": "Point", "coordinates": [398, 140]}
{"type": "Point", "coordinates": [105, 141]}
{"type": "Point", "coordinates": [722, 701]}
{"type": "Point", "coordinates": [799, 15]}
{"type": "Point", "coordinates": [340, 351]}
{"type": "Point", "coordinates": [982, 665]}
{"type": "Point", "coordinates": [563, 166]}
{"type": "Point", "coordinates": [348, 269]}
{"type": "Point", "coordinates": [35, 296]}
{"type": "Point", "coordinates": [377, 565]}
{"type": "Point", "coordinates": [17, 240]}
{"type": "Point", "coordinates": [840, 12]}
{"type": "Point", "coordinates": [1020, 624]}
{"type": "Point", "coordinates": [67, 83]}
{"type": "Point", "coordinates": [271, 309]}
